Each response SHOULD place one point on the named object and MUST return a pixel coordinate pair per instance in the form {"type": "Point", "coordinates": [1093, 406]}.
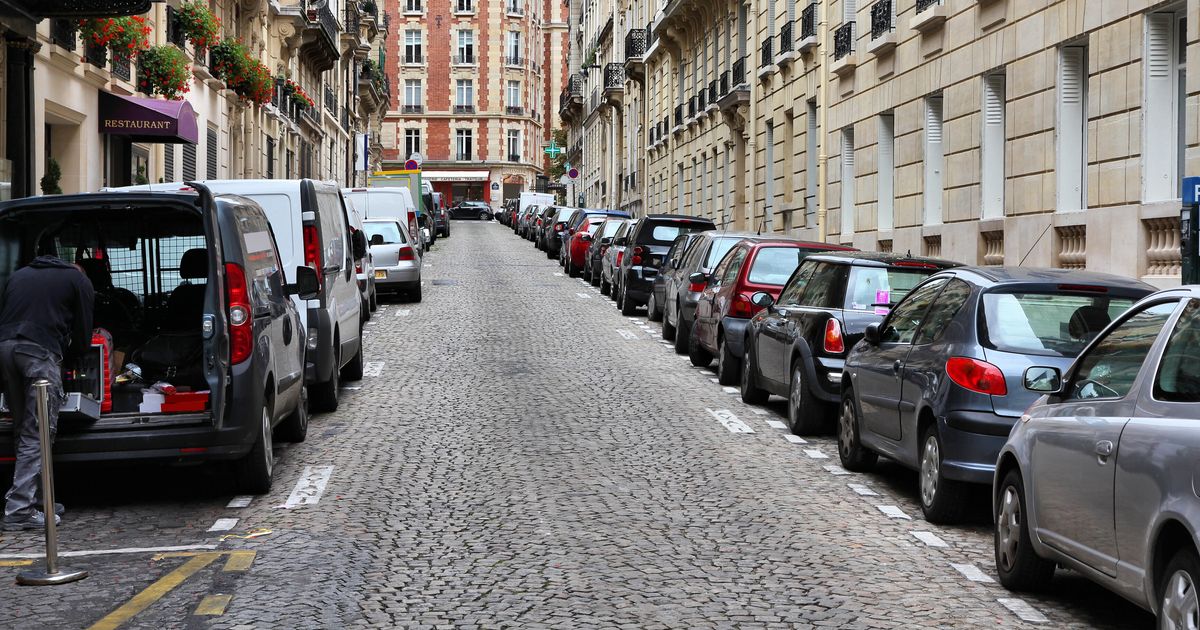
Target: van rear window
{"type": "Point", "coordinates": [386, 230]}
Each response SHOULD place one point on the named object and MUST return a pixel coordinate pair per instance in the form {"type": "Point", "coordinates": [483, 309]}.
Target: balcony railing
{"type": "Point", "coordinates": [62, 33]}
{"type": "Point", "coordinates": [514, 110]}
{"type": "Point", "coordinates": [843, 40]}
{"type": "Point", "coordinates": [691, 107]}
{"type": "Point", "coordinates": [465, 59]}
{"type": "Point", "coordinates": [514, 157]}
{"type": "Point", "coordinates": [330, 100]}
{"type": "Point", "coordinates": [328, 23]}
{"type": "Point", "coordinates": [881, 18]}
{"type": "Point", "coordinates": [785, 38]}
{"type": "Point", "coordinates": [413, 109]}
{"type": "Point", "coordinates": [808, 22]}
{"type": "Point", "coordinates": [464, 109]}
{"type": "Point", "coordinates": [712, 92]}
{"type": "Point", "coordinates": [767, 58]}
{"type": "Point", "coordinates": [96, 55]}
{"type": "Point", "coordinates": [723, 83]}
{"type": "Point", "coordinates": [515, 8]}
{"type": "Point", "coordinates": [350, 22]}
{"type": "Point", "coordinates": [614, 76]}
{"type": "Point", "coordinates": [679, 115]}
{"type": "Point", "coordinates": [413, 58]}
{"type": "Point", "coordinates": [635, 43]}
{"type": "Point", "coordinates": [701, 100]}
{"type": "Point", "coordinates": [925, 4]}
{"type": "Point", "coordinates": [120, 67]}
{"type": "Point", "coordinates": [739, 72]}
{"type": "Point", "coordinates": [575, 85]}
{"type": "Point", "coordinates": [511, 60]}
{"type": "Point", "coordinates": [462, 156]}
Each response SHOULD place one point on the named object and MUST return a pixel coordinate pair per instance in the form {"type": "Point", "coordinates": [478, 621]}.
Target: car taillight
{"type": "Point", "coordinates": [358, 267]}
{"type": "Point", "coordinates": [539, 222]}
{"type": "Point", "coordinates": [637, 254]}
{"type": "Point", "coordinates": [741, 306]}
{"type": "Point", "coordinates": [620, 257]}
{"type": "Point", "coordinates": [834, 343]}
{"type": "Point", "coordinates": [406, 253]}
{"type": "Point", "coordinates": [603, 249]}
{"type": "Point", "coordinates": [696, 287]}
{"type": "Point", "coordinates": [241, 333]}
{"type": "Point", "coordinates": [312, 252]}
{"type": "Point", "coordinates": [977, 376]}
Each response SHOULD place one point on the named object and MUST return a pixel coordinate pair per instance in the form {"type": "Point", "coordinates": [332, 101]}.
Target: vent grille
{"type": "Point", "coordinates": [1071, 81]}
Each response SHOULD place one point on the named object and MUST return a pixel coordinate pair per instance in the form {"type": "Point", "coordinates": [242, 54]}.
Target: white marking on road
{"type": "Point", "coordinates": [893, 512]}
{"type": "Point", "coordinates": [627, 334]}
{"type": "Point", "coordinates": [761, 412]}
{"type": "Point", "coordinates": [665, 343]}
{"type": "Point", "coordinates": [373, 368]}
{"type": "Point", "coordinates": [930, 539]}
{"type": "Point", "coordinates": [310, 486]}
{"type": "Point", "coordinates": [862, 490]}
{"type": "Point", "coordinates": [730, 421]}
{"type": "Point", "coordinates": [972, 572]}
{"type": "Point", "coordinates": [634, 320]}
{"type": "Point", "coordinates": [105, 552]}
{"type": "Point", "coordinates": [775, 424]}
{"type": "Point", "coordinates": [834, 469]}
{"type": "Point", "coordinates": [584, 296]}
{"type": "Point", "coordinates": [815, 453]}
{"type": "Point", "coordinates": [353, 389]}
{"type": "Point", "coordinates": [715, 380]}
{"type": "Point", "coordinates": [730, 390]}
{"type": "Point", "coordinates": [557, 275]}
{"type": "Point", "coordinates": [795, 439]}
{"type": "Point", "coordinates": [1022, 609]}
{"type": "Point", "coordinates": [240, 502]}
{"type": "Point", "coordinates": [223, 525]}
{"type": "Point", "coordinates": [403, 312]}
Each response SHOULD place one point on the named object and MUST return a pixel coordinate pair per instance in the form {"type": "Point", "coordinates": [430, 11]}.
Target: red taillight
{"type": "Point", "coordinates": [539, 222]}
{"type": "Point", "coordinates": [603, 248]}
{"type": "Point", "coordinates": [312, 251]}
{"type": "Point", "coordinates": [977, 376]}
{"type": "Point", "coordinates": [241, 333]}
{"type": "Point", "coordinates": [620, 257]}
{"type": "Point", "coordinates": [637, 254]}
{"type": "Point", "coordinates": [696, 287]}
{"type": "Point", "coordinates": [834, 343]}
{"type": "Point", "coordinates": [357, 266]}
{"type": "Point", "coordinates": [741, 306]}
{"type": "Point", "coordinates": [406, 253]}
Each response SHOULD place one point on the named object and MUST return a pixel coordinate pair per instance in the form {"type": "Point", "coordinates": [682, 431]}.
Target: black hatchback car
{"type": "Point", "coordinates": [938, 384]}
{"type": "Point", "coordinates": [796, 346]}
{"type": "Point", "coordinates": [649, 241]}
{"type": "Point", "coordinates": [190, 288]}
{"type": "Point", "coordinates": [481, 210]}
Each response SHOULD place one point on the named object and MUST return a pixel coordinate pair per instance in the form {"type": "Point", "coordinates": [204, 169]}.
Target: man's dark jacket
{"type": "Point", "coordinates": [48, 302]}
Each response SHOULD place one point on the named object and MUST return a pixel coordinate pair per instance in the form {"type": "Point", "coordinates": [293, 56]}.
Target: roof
{"type": "Point", "coordinates": [1043, 275]}
{"type": "Point", "coordinates": [880, 259]}
{"type": "Point", "coordinates": [677, 217]}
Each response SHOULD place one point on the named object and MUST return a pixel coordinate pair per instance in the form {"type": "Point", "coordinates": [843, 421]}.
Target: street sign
{"type": "Point", "coordinates": [495, 185]}
{"type": "Point", "coordinates": [1191, 190]}
{"type": "Point", "coordinates": [564, 180]}
{"type": "Point", "coordinates": [573, 173]}
{"type": "Point", "coordinates": [553, 150]}
{"type": "Point", "coordinates": [411, 165]}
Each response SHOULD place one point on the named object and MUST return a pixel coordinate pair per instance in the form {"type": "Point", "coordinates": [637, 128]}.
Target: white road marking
{"type": "Point", "coordinates": [715, 380]}
{"type": "Point", "coordinates": [815, 453]}
{"type": "Point", "coordinates": [627, 334]}
{"type": "Point", "coordinates": [665, 343]}
{"type": "Point", "coordinates": [557, 275]}
{"type": "Point", "coordinates": [1022, 609]}
{"type": "Point", "coordinates": [730, 421]}
{"type": "Point", "coordinates": [730, 390]}
{"type": "Point", "coordinates": [834, 469]}
{"type": "Point", "coordinates": [930, 539]}
{"type": "Point", "coordinates": [775, 424]}
{"type": "Point", "coordinates": [403, 312]}
{"type": "Point", "coordinates": [240, 502]}
{"type": "Point", "coordinates": [862, 490]}
{"type": "Point", "coordinates": [105, 552]}
{"type": "Point", "coordinates": [310, 486]}
{"type": "Point", "coordinates": [353, 389]}
{"type": "Point", "coordinates": [223, 525]}
{"type": "Point", "coordinates": [795, 439]}
{"type": "Point", "coordinates": [634, 320]}
{"type": "Point", "coordinates": [893, 512]}
{"type": "Point", "coordinates": [972, 572]}
{"type": "Point", "coordinates": [761, 412]}
{"type": "Point", "coordinates": [584, 296]}
{"type": "Point", "coordinates": [373, 368]}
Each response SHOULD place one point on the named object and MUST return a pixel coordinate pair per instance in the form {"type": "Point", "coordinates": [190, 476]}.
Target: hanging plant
{"type": "Point", "coordinates": [298, 95]}
{"type": "Point", "coordinates": [199, 25]}
{"type": "Point", "coordinates": [164, 70]}
{"type": "Point", "coordinates": [125, 36]}
{"type": "Point", "coordinates": [241, 72]}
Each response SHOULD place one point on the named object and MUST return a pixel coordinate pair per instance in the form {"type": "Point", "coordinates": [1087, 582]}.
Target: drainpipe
{"type": "Point", "coordinates": [822, 118]}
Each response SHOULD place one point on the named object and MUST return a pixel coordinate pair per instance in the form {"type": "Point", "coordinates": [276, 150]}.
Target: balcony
{"type": "Point", "coordinates": [330, 100]}
{"type": "Point", "coordinates": [464, 109]}
{"type": "Point", "coordinates": [514, 157]}
{"type": "Point", "coordinates": [515, 9]}
{"type": "Point", "coordinates": [412, 109]}
{"type": "Point", "coordinates": [766, 59]}
{"type": "Point", "coordinates": [678, 119]}
{"type": "Point", "coordinates": [883, 28]}
{"type": "Point", "coordinates": [63, 34]}
{"type": "Point", "coordinates": [514, 110]}
{"type": "Point", "coordinates": [844, 60]}
{"type": "Point", "coordinates": [808, 28]}
{"type": "Point", "coordinates": [371, 93]}
{"type": "Point", "coordinates": [614, 81]}
{"type": "Point", "coordinates": [738, 92]}
{"type": "Point", "coordinates": [713, 94]}
{"type": "Point", "coordinates": [570, 101]}
{"type": "Point", "coordinates": [786, 53]}
{"type": "Point", "coordinates": [930, 15]}
{"type": "Point", "coordinates": [464, 59]}
{"type": "Point", "coordinates": [691, 108]}
{"type": "Point", "coordinates": [96, 55]}
{"type": "Point", "coordinates": [739, 73]}
{"type": "Point", "coordinates": [635, 52]}
{"type": "Point", "coordinates": [722, 84]}
{"type": "Point", "coordinates": [514, 61]}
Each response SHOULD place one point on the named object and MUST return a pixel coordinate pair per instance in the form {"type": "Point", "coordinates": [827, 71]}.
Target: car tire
{"type": "Point", "coordinates": [627, 306]}
{"type": "Point", "coordinates": [942, 500]}
{"type": "Point", "coordinates": [365, 309]}
{"type": "Point", "coordinates": [254, 470]}
{"type": "Point", "coordinates": [354, 369]}
{"type": "Point", "coordinates": [325, 395]}
{"type": "Point", "coordinates": [483, 216]}
{"type": "Point", "coordinates": [683, 337]}
{"type": "Point", "coordinates": [1177, 590]}
{"type": "Point", "coordinates": [1017, 563]}
{"type": "Point", "coordinates": [294, 428]}
{"type": "Point", "coordinates": [605, 289]}
{"type": "Point", "coordinates": [728, 366]}
{"type": "Point", "coordinates": [414, 295]}
{"type": "Point", "coordinates": [594, 276]}
{"type": "Point", "coordinates": [855, 457]}
{"type": "Point", "coordinates": [654, 311]}
{"type": "Point", "coordinates": [752, 394]}
{"type": "Point", "coordinates": [374, 300]}
{"type": "Point", "coordinates": [806, 414]}
{"type": "Point", "coordinates": [696, 353]}
{"type": "Point", "coordinates": [669, 332]}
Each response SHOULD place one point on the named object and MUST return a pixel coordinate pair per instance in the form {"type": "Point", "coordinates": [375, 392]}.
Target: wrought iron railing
{"type": "Point", "coordinates": [614, 76]}
{"type": "Point", "coordinates": [328, 23]}
{"type": "Point", "coordinates": [723, 83]}
{"type": "Point", "coordinates": [712, 92]}
{"type": "Point", "coordinates": [691, 107]}
{"type": "Point", "coordinates": [121, 67]}
{"type": "Point", "coordinates": [767, 57]}
{"type": "Point", "coordinates": [413, 57]}
{"type": "Point", "coordinates": [464, 58]}
{"type": "Point", "coordinates": [635, 43]}
{"type": "Point", "coordinates": [62, 33]}
{"type": "Point", "coordinates": [808, 21]}
{"type": "Point", "coordinates": [464, 109]}
{"type": "Point", "coordinates": [785, 38]}
{"type": "Point", "coordinates": [330, 100]}
{"type": "Point", "coordinates": [679, 115]}
{"type": "Point", "coordinates": [413, 109]}
{"type": "Point", "coordinates": [511, 60]}
{"type": "Point", "coordinates": [350, 22]}
{"type": "Point", "coordinates": [96, 55]}
{"type": "Point", "coordinates": [925, 4]}
{"type": "Point", "coordinates": [174, 28]}
{"type": "Point", "coordinates": [575, 85]}
{"type": "Point", "coordinates": [843, 40]}
{"type": "Point", "coordinates": [739, 72]}
{"type": "Point", "coordinates": [701, 100]}
{"type": "Point", "coordinates": [514, 157]}
{"type": "Point", "coordinates": [514, 110]}
{"type": "Point", "coordinates": [881, 18]}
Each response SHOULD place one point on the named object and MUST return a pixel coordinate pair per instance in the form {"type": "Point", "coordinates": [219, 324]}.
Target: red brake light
{"type": "Point", "coordinates": [637, 254]}
{"type": "Point", "coordinates": [834, 343]}
{"type": "Point", "coordinates": [406, 253]}
{"type": "Point", "coordinates": [741, 306]}
{"type": "Point", "coordinates": [696, 287]}
{"type": "Point", "coordinates": [620, 257]}
{"type": "Point", "coordinates": [977, 376]}
{"type": "Point", "coordinates": [913, 263]}
{"type": "Point", "coordinates": [312, 250]}
{"type": "Point", "coordinates": [358, 267]}
{"type": "Point", "coordinates": [241, 333]}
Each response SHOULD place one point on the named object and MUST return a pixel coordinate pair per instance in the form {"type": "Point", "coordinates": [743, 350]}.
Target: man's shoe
{"type": "Point", "coordinates": [34, 520]}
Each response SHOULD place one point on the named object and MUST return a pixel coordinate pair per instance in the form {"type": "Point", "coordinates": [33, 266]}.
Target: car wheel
{"type": "Point", "coordinates": [594, 277]}
{"type": "Point", "coordinates": [483, 216]}
{"type": "Point", "coordinates": [605, 289]}
{"type": "Point", "coordinates": [669, 333]}
{"type": "Point", "coordinates": [683, 337]}
{"type": "Point", "coordinates": [806, 415]}
{"type": "Point", "coordinates": [728, 369]}
{"type": "Point", "coordinates": [627, 306]}
{"type": "Point", "coordinates": [752, 394]}
{"type": "Point", "coordinates": [374, 300]}
{"type": "Point", "coordinates": [1019, 566]}
{"type": "Point", "coordinates": [654, 312]}
{"type": "Point", "coordinates": [854, 455]}
{"type": "Point", "coordinates": [294, 428]}
{"type": "Point", "coordinates": [354, 369]}
{"type": "Point", "coordinates": [414, 295]}
{"type": "Point", "coordinates": [1180, 607]}
{"type": "Point", "coordinates": [254, 470]}
{"type": "Point", "coordinates": [942, 499]}
{"type": "Point", "coordinates": [696, 353]}
{"type": "Point", "coordinates": [573, 271]}
{"type": "Point", "coordinates": [365, 309]}
{"type": "Point", "coordinates": [325, 395]}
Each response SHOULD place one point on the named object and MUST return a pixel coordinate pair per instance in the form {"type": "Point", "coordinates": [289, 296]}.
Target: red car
{"type": "Point", "coordinates": [724, 308]}
{"type": "Point", "coordinates": [581, 239]}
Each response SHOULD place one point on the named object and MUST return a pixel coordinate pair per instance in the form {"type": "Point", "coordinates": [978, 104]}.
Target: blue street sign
{"type": "Point", "coordinates": [1191, 190]}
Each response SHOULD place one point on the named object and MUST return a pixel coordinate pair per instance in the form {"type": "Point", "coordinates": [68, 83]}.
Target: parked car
{"type": "Point", "coordinates": [481, 210]}
{"type": "Point", "coordinates": [680, 293]}
{"type": "Point", "coordinates": [389, 202]}
{"type": "Point", "coordinates": [580, 240]}
{"type": "Point", "coordinates": [610, 264]}
{"type": "Point", "coordinates": [797, 345]}
{"type": "Point", "coordinates": [556, 229]}
{"type": "Point", "coordinates": [578, 220]}
{"type": "Point", "coordinates": [1099, 474]}
{"type": "Point", "coordinates": [599, 244]}
{"type": "Point", "coordinates": [397, 262]}
{"type": "Point", "coordinates": [441, 217]}
{"type": "Point", "coordinates": [192, 288]}
{"type": "Point", "coordinates": [649, 239]}
{"type": "Point", "coordinates": [937, 386]}
{"type": "Point", "coordinates": [754, 265]}
{"type": "Point", "coordinates": [527, 220]}
{"type": "Point", "coordinates": [534, 199]}
{"type": "Point", "coordinates": [332, 325]}
{"type": "Point", "coordinates": [671, 262]}
{"type": "Point", "coordinates": [543, 223]}
{"type": "Point", "coordinates": [364, 267]}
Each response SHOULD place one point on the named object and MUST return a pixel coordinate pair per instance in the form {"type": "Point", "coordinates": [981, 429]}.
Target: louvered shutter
{"type": "Point", "coordinates": [847, 183]}
{"type": "Point", "coordinates": [934, 157]}
{"type": "Point", "coordinates": [992, 151]}
{"type": "Point", "coordinates": [1160, 133]}
{"type": "Point", "coordinates": [886, 176]}
{"type": "Point", "coordinates": [1072, 95]}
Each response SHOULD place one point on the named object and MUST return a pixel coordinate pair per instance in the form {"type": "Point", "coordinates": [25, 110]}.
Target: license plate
{"type": "Point", "coordinates": [380, 274]}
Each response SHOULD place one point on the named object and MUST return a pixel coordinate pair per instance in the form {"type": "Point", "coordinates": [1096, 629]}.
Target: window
{"type": "Point", "coordinates": [389, 232]}
{"type": "Point", "coordinates": [934, 157]}
{"type": "Point", "coordinates": [514, 94]}
{"type": "Point", "coordinates": [412, 142]}
{"type": "Point", "coordinates": [1165, 95]}
{"type": "Point", "coordinates": [412, 96]}
{"type": "Point", "coordinates": [727, 271]}
{"type": "Point", "coordinates": [466, 46]}
{"type": "Point", "coordinates": [212, 146]}
{"type": "Point", "coordinates": [877, 289]}
{"type": "Point", "coordinates": [1056, 325]}
{"type": "Point", "coordinates": [464, 6]}
{"type": "Point", "coordinates": [769, 172]}
{"type": "Point", "coordinates": [991, 161]}
{"type": "Point", "coordinates": [773, 265]}
{"type": "Point", "coordinates": [514, 145]}
{"type": "Point", "coordinates": [848, 209]}
{"type": "Point", "coordinates": [169, 161]}
{"type": "Point", "coordinates": [824, 287]}
{"type": "Point", "coordinates": [720, 246]}
{"type": "Point", "coordinates": [795, 286]}
{"type": "Point", "coordinates": [943, 311]}
{"type": "Point", "coordinates": [462, 143]}
{"type": "Point", "coordinates": [811, 169]}
{"type": "Point", "coordinates": [1178, 378]}
{"type": "Point", "coordinates": [464, 93]}
{"type": "Point", "coordinates": [886, 177]}
{"type": "Point", "coordinates": [1071, 151]}
{"type": "Point", "coordinates": [270, 157]}
{"type": "Point", "coordinates": [1110, 367]}
{"type": "Point", "coordinates": [412, 46]}
{"type": "Point", "coordinates": [679, 189]}
{"type": "Point", "coordinates": [902, 323]}
{"type": "Point", "coordinates": [412, 6]}
{"type": "Point", "coordinates": [514, 48]}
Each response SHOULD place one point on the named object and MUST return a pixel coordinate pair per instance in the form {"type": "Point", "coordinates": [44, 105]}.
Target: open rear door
{"type": "Point", "coordinates": [216, 326]}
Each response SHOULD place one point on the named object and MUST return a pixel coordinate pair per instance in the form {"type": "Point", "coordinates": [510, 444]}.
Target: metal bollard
{"type": "Point", "coordinates": [52, 573]}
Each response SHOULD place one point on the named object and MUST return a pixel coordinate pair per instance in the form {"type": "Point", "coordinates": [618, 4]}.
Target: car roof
{"type": "Point", "coordinates": [881, 259]}
{"type": "Point", "coordinates": [1043, 275]}
{"type": "Point", "coordinates": [116, 198]}
{"type": "Point", "coordinates": [676, 217]}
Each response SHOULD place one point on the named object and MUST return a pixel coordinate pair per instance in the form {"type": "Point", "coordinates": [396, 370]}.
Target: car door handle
{"type": "Point", "coordinates": [1104, 448]}
{"type": "Point", "coordinates": [897, 366]}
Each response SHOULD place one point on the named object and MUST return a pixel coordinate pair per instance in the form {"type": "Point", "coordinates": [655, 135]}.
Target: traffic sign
{"type": "Point", "coordinates": [573, 173]}
{"type": "Point", "coordinates": [411, 165]}
{"type": "Point", "coordinates": [564, 180]}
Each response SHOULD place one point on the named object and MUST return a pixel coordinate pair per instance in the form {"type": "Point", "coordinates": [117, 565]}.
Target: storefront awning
{"type": "Point", "coordinates": [147, 119]}
{"type": "Point", "coordinates": [454, 176]}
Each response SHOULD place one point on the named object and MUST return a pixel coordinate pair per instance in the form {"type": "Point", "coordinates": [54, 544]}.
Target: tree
{"type": "Point", "coordinates": [50, 179]}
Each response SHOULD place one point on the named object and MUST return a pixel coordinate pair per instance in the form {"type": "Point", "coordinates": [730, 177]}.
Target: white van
{"type": "Point", "coordinates": [311, 228]}
{"type": "Point", "coordinates": [535, 199]}
{"type": "Point", "coordinates": [389, 202]}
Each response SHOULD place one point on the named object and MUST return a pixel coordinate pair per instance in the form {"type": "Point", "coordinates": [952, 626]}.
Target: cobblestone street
{"type": "Point", "coordinates": [521, 455]}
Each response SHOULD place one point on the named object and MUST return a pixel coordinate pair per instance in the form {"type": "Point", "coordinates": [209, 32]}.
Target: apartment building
{"type": "Point", "coordinates": [473, 79]}
{"type": "Point", "coordinates": [993, 131]}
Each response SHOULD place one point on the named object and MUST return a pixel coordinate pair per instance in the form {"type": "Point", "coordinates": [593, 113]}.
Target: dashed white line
{"type": "Point", "coordinates": [834, 469]}
{"type": "Point", "coordinates": [373, 368]}
{"type": "Point", "coordinates": [104, 552]}
{"type": "Point", "coordinates": [892, 511]}
{"type": "Point", "coordinates": [715, 380]}
{"type": "Point", "coordinates": [1022, 609]}
{"type": "Point", "coordinates": [761, 412]}
{"type": "Point", "coordinates": [730, 421]}
{"type": "Point", "coordinates": [862, 490]}
{"type": "Point", "coordinates": [795, 439]}
{"type": "Point", "coordinates": [403, 312]}
{"type": "Point", "coordinates": [584, 296]}
{"type": "Point", "coordinates": [775, 424]}
{"type": "Point", "coordinates": [972, 572]}
{"type": "Point", "coordinates": [930, 539]}
{"type": "Point", "coordinates": [557, 275]}
{"type": "Point", "coordinates": [223, 525]}
{"type": "Point", "coordinates": [310, 486]}
{"type": "Point", "coordinates": [730, 390]}
{"type": "Point", "coordinates": [815, 453]}
{"type": "Point", "coordinates": [239, 502]}
{"type": "Point", "coordinates": [627, 334]}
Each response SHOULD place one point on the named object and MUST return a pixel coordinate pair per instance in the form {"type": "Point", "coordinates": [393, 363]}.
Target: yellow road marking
{"type": "Point", "coordinates": [239, 560]}
{"type": "Point", "coordinates": [213, 605]}
{"type": "Point", "coordinates": [15, 563]}
{"type": "Point", "coordinates": [155, 591]}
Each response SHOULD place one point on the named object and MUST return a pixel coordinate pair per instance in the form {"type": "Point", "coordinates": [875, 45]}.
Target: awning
{"type": "Point", "coordinates": [147, 119]}
{"type": "Point", "coordinates": [454, 176]}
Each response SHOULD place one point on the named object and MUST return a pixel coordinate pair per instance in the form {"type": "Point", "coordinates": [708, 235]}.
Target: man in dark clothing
{"type": "Point", "coordinates": [45, 315]}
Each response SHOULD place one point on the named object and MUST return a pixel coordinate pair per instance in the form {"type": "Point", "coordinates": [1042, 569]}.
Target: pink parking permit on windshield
{"type": "Point", "coordinates": [882, 297]}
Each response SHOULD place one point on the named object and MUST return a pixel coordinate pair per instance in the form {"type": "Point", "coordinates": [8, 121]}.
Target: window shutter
{"type": "Point", "coordinates": [211, 153]}
{"type": "Point", "coordinates": [1160, 139]}
{"type": "Point", "coordinates": [189, 162]}
{"type": "Point", "coordinates": [992, 150]}
{"type": "Point", "coordinates": [934, 156]}
{"type": "Point", "coordinates": [169, 162]}
{"type": "Point", "coordinates": [849, 8]}
{"type": "Point", "coordinates": [1072, 94]}
{"type": "Point", "coordinates": [887, 176]}
{"type": "Point", "coordinates": [847, 183]}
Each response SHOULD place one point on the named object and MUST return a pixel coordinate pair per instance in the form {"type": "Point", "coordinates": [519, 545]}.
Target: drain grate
{"type": "Point", "coordinates": [444, 283]}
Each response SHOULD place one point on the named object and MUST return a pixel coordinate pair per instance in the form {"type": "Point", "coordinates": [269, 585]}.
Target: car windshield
{"type": "Point", "coordinates": [665, 233]}
{"type": "Point", "coordinates": [389, 231]}
{"type": "Point", "coordinates": [610, 228]}
{"type": "Point", "coordinates": [879, 288]}
{"type": "Point", "coordinates": [1051, 324]}
{"type": "Point", "coordinates": [774, 265]}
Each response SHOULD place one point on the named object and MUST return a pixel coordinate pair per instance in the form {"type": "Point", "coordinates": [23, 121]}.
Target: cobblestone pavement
{"type": "Point", "coordinates": [526, 457]}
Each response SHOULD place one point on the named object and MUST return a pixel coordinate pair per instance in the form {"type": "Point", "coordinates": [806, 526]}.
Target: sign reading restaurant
{"type": "Point", "coordinates": [136, 125]}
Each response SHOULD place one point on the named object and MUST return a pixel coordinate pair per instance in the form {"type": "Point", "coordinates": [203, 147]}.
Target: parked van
{"type": "Point", "coordinates": [190, 289]}
{"type": "Point", "coordinates": [535, 199]}
{"type": "Point", "coordinates": [311, 228]}
{"type": "Point", "coordinates": [388, 202]}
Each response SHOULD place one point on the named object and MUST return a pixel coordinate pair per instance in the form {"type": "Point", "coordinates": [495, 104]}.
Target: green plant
{"type": "Point", "coordinates": [558, 164]}
{"type": "Point", "coordinates": [368, 6]}
{"type": "Point", "coordinates": [241, 72]}
{"type": "Point", "coordinates": [51, 177]}
{"type": "Point", "coordinates": [199, 24]}
{"type": "Point", "coordinates": [297, 94]}
{"type": "Point", "coordinates": [140, 179]}
{"type": "Point", "coordinates": [125, 36]}
{"type": "Point", "coordinates": [164, 70]}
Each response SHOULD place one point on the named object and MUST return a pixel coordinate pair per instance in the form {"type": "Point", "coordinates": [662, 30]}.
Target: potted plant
{"type": "Point", "coordinates": [199, 25]}
{"type": "Point", "coordinates": [125, 36]}
{"type": "Point", "coordinates": [51, 177]}
{"type": "Point", "coordinates": [297, 95]}
{"type": "Point", "coordinates": [241, 72]}
{"type": "Point", "coordinates": [164, 70]}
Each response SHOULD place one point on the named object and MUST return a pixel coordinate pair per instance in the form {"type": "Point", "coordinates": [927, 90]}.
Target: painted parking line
{"type": "Point", "coordinates": [239, 561]}
{"type": "Point", "coordinates": [557, 274]}
{"type": "Point", "coordinates": [583, 296]}
{"type": "Point", "coordinates": [795, 439]}
{"type": "Point", "coordinates": [15, 563]}
{"type": "Point", "coordinates": [836, 469]}
{"type": "Point", "coordinates": [240, 502]}
{"type": "Point", "coordinates": [775, 424]}
{"type": "Point", "coordinates": [213, 605]}
{"type": "Point", "coordinates": [1022, 609]}
{"type": "Point", "coordinates": [862, 490]}
{"type": "Point", "coordinates": [310, 486]}
{"type": "Point", "coordinates": [105, 552]}
{"type": "Point", "coordinates": [815, 453]}
{"type": "Point", "coordinates": [730, 421]}
{"type": "Point", "coordinates": [373, 368]}
{"type": "Point", "coordinates": [403, 312]}
{"type": "Point", "coordinates": [930, 539]}
{"type": "Point", "coordinates": [155, 592]}
{"type": "Point", "coordinates": [972, 572]}
{"type": "Point", "coordinates": [223, 525]}
{"type": "Point", "coordinates": [730, 390]}
{"type": "Point", "coordinates": [715, 380]}
{"type": "Point", "coordinates": [892, 511]}
{"type": "Point", "coordinates": [627, 334]}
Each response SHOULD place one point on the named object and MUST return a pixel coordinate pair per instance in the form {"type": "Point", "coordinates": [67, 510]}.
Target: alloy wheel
{"type": "Point", "coordinates": [268, 441]}
{"type": "Point", "coordinates": [1008, 528]}
{"type": "Point", "coordinates": [931, 466]}
{"type": "Point", "coordinates": [794, 395]}
{"type": "Point", "coordinates": [846, 429]}
{"type": "Point", "coordinates": [1180, 606]}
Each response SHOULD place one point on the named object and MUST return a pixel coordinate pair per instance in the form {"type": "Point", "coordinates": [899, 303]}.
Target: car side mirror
{"type": "Point", "coordinates": [358, 241]}
{"type": "Point", "coordinates": [1043, 380]}
{"type": "Point", "coordinates": [307, 284]}
{"type": "Point", "coordinates": [698, 278]}
{"type": "Point", "coordinates": [762, 299]}
{"type": "Point", "coordinates": [621, 242]}
{"type": "Point", "coordinates": [871, 334]}
{"type": "Point", "coordinates": [587, 238]}
{"type": "Point", "coordinates": [377, 239]}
